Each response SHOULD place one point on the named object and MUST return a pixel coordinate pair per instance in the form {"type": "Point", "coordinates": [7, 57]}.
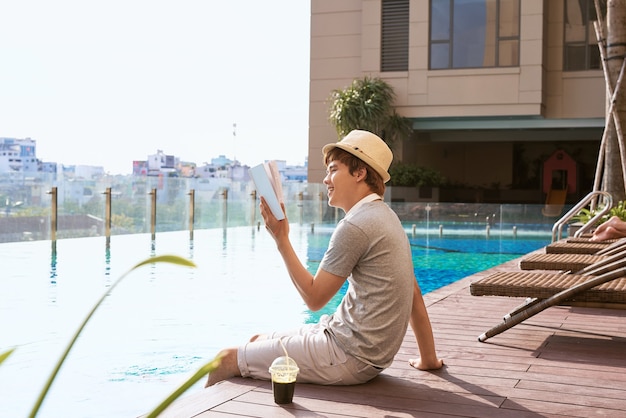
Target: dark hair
{"type": "Point", "coordinates": [372, 179]}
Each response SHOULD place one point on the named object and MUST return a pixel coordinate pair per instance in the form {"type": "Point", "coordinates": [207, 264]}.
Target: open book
{"type": "Point", "coordinates": [267, 181]}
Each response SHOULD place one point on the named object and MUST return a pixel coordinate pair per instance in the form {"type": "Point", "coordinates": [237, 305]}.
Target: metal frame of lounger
{"type": "Point", "coordinates": [608, 269]}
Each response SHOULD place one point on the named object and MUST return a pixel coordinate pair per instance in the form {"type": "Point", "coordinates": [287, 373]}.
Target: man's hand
{"type": "Point", "coordinates": [278, 229]}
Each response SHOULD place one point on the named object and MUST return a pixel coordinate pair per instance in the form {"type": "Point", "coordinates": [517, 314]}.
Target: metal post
{"type": "Point", "coordinates": [153, 213]}
{"type": "Point", "coordinates": [53, 214]}
{"type": "Point", "coordinates": [321, 207]}
{"type": "Point", "coordinates": [224, 208]}
{"type": "Point", "coordinates": [253, 207]}
{"type": "Point", "coordinates": [301, 207]}
{"type": "Point", "coordinates": [107, 215]}
{"type": "Point", "coordinates": [192, 207]}
{"type": "Point", "coordinates": [53, 220]}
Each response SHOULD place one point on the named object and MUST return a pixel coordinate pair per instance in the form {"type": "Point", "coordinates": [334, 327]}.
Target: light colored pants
{"type": "Point", "coordinates": [318, 356]}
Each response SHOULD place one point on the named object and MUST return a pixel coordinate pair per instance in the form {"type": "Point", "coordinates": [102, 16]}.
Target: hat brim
{"type": "Point", "coordinates": [361, 156]}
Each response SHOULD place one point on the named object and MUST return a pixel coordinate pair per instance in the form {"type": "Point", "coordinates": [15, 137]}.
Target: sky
{"type": "Point", "coordinates": [107, 82]}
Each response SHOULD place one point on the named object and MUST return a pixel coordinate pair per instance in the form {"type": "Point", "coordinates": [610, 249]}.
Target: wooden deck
{"type": "Point", "coordinates": [566, 361]}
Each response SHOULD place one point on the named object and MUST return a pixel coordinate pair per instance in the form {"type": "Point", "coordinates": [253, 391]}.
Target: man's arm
{"type": "Point", "coordinates": [316, 290]}
{"type": "Point", "coordinates": [420, 323]}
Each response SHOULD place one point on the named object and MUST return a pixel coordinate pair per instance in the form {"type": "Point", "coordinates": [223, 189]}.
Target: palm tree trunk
{"type": "Point", "coordinates": [615, 147]}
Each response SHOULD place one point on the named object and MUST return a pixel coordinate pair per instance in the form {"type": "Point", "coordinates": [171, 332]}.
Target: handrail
{"type": "Point", "coordinates": [557, 229]}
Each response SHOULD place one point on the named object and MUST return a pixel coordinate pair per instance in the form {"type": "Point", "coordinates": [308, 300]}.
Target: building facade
{"type": "Point", "coordinates": [493, 87]}
{"type": "Point", "coordinates": [18, 155]}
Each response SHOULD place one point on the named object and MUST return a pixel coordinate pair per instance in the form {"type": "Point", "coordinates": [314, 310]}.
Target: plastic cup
{"type": "Point", "coordinates": [284, 371]}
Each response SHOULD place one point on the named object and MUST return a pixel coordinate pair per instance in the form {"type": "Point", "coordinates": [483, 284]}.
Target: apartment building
{"type": "Point", "coordinates": [494, 88]}
{"type": "Point", "coordinates": [18, 155]}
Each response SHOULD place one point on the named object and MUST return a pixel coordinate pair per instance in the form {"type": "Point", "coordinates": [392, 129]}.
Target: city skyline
{"type": "Point", "coordinates": [208, 160]}
{"type": "Point", "coordinates": [108, 84]}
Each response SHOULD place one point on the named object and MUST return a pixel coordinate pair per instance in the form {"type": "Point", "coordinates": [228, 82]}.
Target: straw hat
{"type": "Point", "coordinates": [367, 147]}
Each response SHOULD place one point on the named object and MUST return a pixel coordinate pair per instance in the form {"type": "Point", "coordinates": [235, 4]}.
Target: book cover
{"type": "Point", "coordinates": [267, 182]}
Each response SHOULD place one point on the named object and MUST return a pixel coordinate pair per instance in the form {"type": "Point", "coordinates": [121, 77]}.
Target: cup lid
{"type": "Point", "coordinates": [284, 361]}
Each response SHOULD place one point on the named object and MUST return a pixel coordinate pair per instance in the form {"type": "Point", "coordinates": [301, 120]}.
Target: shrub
{"type": "Point", "coordinates": [413, 175]}
{"type": "Point", "coordinates": [585, 214]}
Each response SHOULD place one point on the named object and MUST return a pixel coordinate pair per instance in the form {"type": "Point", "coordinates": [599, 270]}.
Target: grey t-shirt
{"type": "Point", "coordinates": [370, 247]}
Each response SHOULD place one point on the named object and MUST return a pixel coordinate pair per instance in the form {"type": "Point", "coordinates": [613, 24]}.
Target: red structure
{"type": "Point", "coordinates": [559, 173]}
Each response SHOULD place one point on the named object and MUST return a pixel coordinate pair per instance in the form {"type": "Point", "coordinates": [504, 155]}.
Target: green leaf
{"type": "Point", "coordinates": [368, 104]}
{"type": "Point", "coordinates": [6, 354]}
{"type": "Point", "coordinates": [173, 259]}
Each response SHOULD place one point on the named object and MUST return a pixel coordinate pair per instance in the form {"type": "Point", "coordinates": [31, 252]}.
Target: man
{"type": "Point", "coordinates": [370, 249]}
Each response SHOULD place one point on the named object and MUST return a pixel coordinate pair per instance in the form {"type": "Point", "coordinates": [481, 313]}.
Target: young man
{"type": "Point", "coordinates": [370, 249]}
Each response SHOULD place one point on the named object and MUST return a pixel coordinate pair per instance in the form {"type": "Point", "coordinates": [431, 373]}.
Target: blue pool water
{"type": "Point", "coordinates": [163, 321]}
{"type": "Point", "coordinates": [440, 260]}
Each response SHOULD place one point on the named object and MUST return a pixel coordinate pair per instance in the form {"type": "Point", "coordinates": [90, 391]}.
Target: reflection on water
{"type": "Point", "coordinates": [53, 264]}
{"type": "Point", "coordinates": [190, 253]}
{"type": "Point", "coordinates": [107, 264]}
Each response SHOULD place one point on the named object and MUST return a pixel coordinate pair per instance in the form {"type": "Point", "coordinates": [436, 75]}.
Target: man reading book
{"type": "Point", "coordinates": [370, 249]}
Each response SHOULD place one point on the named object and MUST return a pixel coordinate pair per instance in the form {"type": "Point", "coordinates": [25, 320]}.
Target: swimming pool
{"type": "Point", "coordinates": [164, 321]}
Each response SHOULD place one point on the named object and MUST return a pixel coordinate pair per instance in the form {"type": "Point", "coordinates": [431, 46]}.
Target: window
{"type": "Point", "coordinates": [395, 35]}
{"type": "Point", "coordinates": [580, 51]}
{"type": "Point", "coordinates": [474, 33]}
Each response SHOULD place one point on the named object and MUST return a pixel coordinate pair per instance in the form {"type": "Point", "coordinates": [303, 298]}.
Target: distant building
{"type": "Point", "coordinates": [222, 161]}
{"type": "Point", "coordinates": [84, 172]}
{"type": "Point", "coordinates": [160, 163]}
{"type": "Point", "coordinates": [18, 155]}
{"type": "Point", "coordinates": [48, 168]}
{"type": "Point", "coordinates": [186, 169]}
{"type": "Point", "coordinates": [296, 173]}
{"type": "Point", "coordinates": [140, 168]}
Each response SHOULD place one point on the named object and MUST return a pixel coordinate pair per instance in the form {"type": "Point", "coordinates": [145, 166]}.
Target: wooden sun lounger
{"type": "Point", "coordinates": [569, 261]}
{"type": "Point", "coordinates": [543, 285]}
{"type": "Point", "coordinates": [587, 239]}
{"type": "Point", "coordinates": [584, 246]}
{"type": "Point", "coordinates": [564, 247]}
{"type": "Point", "coordinates": [566, 262]}
{"type": "Point", "coordinates": [602, 282]}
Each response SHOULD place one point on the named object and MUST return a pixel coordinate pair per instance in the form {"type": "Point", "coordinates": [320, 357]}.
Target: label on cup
{"type": "Point", "coordinates": [284, 373]}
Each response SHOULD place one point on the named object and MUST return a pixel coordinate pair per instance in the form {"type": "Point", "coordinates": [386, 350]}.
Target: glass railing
{"type": "Point", "coordinates": [47, 208]}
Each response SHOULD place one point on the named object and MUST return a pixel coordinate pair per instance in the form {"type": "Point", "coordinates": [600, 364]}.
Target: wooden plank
{"type": "Point", "coordinates": [199, 402]}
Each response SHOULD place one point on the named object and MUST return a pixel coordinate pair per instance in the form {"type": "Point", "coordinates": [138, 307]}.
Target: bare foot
{"type": "Point", "coordinates": [217, 376]}
{"type": "Point", "coordinates": [228, 367]}
{"type": "Point", "coordinates": [417, 364]}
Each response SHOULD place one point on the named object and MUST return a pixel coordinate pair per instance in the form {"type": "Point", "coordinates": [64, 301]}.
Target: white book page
{"type": "Point", "coordinates": [264, 188]}
{"type": "Point", "coordinates": [275, 178]}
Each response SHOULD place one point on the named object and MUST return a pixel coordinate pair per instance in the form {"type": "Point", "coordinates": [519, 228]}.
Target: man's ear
{"type": "Point", "coordinates": [361, 173]}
